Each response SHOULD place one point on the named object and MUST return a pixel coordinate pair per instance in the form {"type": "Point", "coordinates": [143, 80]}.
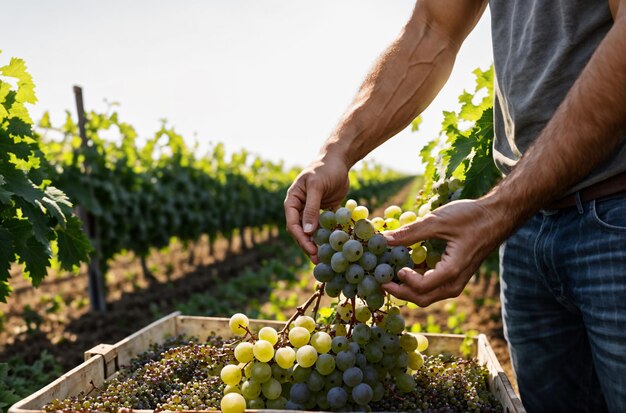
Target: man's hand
{"type": "Point", "coordinates": [471, 230]}
{"type": "Point", "coordinates": [321, 185]}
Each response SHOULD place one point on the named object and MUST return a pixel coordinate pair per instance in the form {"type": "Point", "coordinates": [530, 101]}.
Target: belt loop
{"type": "Point", "coordinates": [579, 203]}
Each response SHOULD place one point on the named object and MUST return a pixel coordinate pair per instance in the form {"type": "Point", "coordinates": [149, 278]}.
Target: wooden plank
{"type": "Point", "coordinates": [71, 383]}
{"type": "Point", "coordinates": [499, 383]}
{"type": "Point", "coordinates": [140, 341]}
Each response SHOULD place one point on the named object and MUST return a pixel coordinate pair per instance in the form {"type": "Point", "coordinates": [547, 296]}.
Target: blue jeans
{"type": "Point", "coordinates": [563, 279]}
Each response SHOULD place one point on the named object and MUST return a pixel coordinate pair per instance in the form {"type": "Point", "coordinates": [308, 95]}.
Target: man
{"type": "Point", "coordinates": [560, 121]}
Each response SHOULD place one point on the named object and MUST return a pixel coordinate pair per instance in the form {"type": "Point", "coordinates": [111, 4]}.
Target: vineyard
{"type": "Point", "coordinates": [103, 231]}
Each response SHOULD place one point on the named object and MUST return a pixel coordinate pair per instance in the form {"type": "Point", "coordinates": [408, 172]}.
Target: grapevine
{"type": "Point", "coordinates": [36, 220]}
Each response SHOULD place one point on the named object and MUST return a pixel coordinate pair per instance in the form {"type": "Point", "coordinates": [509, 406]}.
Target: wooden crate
{"type": "Point", "coordinates": [103, 361]}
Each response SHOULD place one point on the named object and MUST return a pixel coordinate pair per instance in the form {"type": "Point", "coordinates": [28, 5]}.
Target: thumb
{"type": "Point", "coordinates": [310, 215]}
{"type": "Point", "coordinates": [412, 233]}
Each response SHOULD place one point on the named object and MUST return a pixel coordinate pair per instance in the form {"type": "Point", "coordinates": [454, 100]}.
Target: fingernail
{"type": "Point", "coordinates": [308, 228]}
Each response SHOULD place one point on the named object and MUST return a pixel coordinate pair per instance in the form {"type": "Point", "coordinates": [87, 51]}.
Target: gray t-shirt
{"type": "Point", "coordinates": [540, 47]}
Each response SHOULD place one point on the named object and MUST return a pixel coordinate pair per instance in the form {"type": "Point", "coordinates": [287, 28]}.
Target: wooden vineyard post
{"type": "Point", "coordinates": [94, 273]}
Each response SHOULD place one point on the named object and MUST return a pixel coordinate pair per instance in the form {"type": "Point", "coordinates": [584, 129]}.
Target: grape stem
{"type": "Point", "coordinates": [316, 307]}
{"type": "Point", "coordinates": [302, 308]}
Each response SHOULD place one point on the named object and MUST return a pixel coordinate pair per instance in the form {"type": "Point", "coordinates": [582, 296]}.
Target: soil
{"type": "Point", "coordinates": [134, 301]}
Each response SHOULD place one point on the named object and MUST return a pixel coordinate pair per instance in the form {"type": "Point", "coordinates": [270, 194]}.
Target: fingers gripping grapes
{"type": "Point", "coordinates": [323, 184]}
{"type": "Point", "coordinates": [470, 231]}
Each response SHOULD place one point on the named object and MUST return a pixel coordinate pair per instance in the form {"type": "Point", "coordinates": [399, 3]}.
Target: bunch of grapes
{"type": "Point", "coordinates": [306, 366]}
{"type": "Point", "coordinates": [354, 258]}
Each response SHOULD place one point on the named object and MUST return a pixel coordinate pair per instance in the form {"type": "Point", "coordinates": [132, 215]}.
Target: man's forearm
{"type": "Point", "coordinates": [585, 129]}
{"type": "Point", "coordinates": [404, 81]}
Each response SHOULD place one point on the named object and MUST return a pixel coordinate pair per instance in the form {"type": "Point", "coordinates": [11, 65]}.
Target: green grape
{"type": "Point", "coordinates": [340, 343]}
{"type": "Point", "coordinates": [416, 360]}
{"type": "Point", "coordinates": [354, 274]}
{"type": "Point", "coordinates": [352, 250]}
{"type": "Point", "coordinates": [327, 220]}
{"type": "Point", "coordinates": [323, 272]}
{"type": "Point", "coordinates": [351, 204]}
{"type": "Point", "coordinates": [232, 389]}
{"type": "Point", "coordinates": [349, 290]}
{"type": "Point", "coordinates": [337, 238]}
{"type": "Point", "coordinates": [345, 359]}
{"type": "Point", "coordinates": [408, 342]}
{"type": "Point", "coordinates": [360, 212]}
{"type": "Point", "coordinates": [362, 394]}
{"type": "Point", "coordinates": [344, 310]}
{"type": "Point", "coordinates": [285, 357]}
{"type": "Point", "coordinates": [282, 374]}
{"type": "Point", "coordinates": [231, 374]}
{"type": "Point", "coordinates": [364, 229]}
{"type": "Point", "coordinates": [277, 404]}
{"type": "Point", "coordinates": [377, 244]}
{"type": "Point", "coordinates": [368, 261]}
{"type": "Point", "coordinates": [306, 356]}
{"type": "Point", "coordinates": [238, 324]}
{"type": "Point", "coordinates": [352, 376]}
{"type": "Point", "coordinates": [260, 372]}
{"type": "Point", "coordinates": [368, 286]}
{"type": "Point", "coordinates": [300, 374]}
{"type": "Point", "coordinates": [361, 334]}
{"type": "Point", "coordinates": [244, 352]}
{"type": "Point", "coordinates": [362, 314]}
{"type": "Point", "coordinates": [407, 217]}
{"type": "Point", "coordinates": [392, 211]}
{"type": "Point", "coordinates": [339, 262]}
{"type": "Point", "coordinates": [315, 382]}
{"type": "Point", "coordinates": [337, 398]}
{"type": "Point", "coordinates": [394, 324]}
{"type": "Point", "coordinates": [250, 389]}
{"type": "Point", "coordinates": [383, 273]}
{"type": "Point", "coordinates": [256, 404]}
{"type": "Point", "coordinates": [321, 341]}
{"type": "Point", "coordinates": [325, 364]}
{"type": "Point", "coordinates": [299, 336]}
{"type": "Point", "coordinates": [325, 252]}
{"type": "Point", "coordinates": [375, 300]}
{"type": "Point", "coordinates": [373, 352]}
{"type": "Point", "coordinates": [268, 334]}
{"type": "Point", "coordinates": [343, 216]}
{"type": "Point", "coordinates": [263, 350]}
{"type": "Point", "coordinates": [422, 342]}
{"type": "Point", "coordinates": [271, 389]}
{"type": "Point", "coordinates": [306, 322]}
{"type": "Point", "coordinates": [418, 254]}
{"type": "Point", "coordinates": [378, 223]}
{"type": "Point", "coordinates": [233, 403]}
{"type": "Point", "coordinates": [405, 383]}
{"type": "Point", "coordinates": [321, 236]}
{"type": "Point", "coordinates": [391, 224]}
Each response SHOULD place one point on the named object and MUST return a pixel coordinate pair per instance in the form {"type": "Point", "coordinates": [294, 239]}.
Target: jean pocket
{"type": "Point", "coordinates": [610, 213]}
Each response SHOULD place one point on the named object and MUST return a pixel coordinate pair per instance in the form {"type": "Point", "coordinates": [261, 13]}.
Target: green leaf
{"type": "Point", "coordinates": [459, 152]}
{"type": "Point", "coordinates": [34, 255]}
{"type": "Point", "coordinates": [20, 149]}
{"type": "Point", "coordinates": [38, 219]}
{"type": "Point", "coordinates": [18, 127]}
{"type": "Point", "coordinates": [25, 86]}
{"type": "Point", "coordinates": [19, 184]}
{"type": "Point", "coordinates": [480, 176]}
{"type": "Point", "coordinates": [74, 246]}
{"type": "Point", "coordinates": [6, 257]}
{"type": "Point", "coordinates": [415, 125]}
{"type": "Point", "coordinates": [57, 203]}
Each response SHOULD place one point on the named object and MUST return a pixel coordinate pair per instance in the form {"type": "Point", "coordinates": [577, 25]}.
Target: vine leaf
{"type": "Point", "coordinates": [74, 247]}
{"type": "Point", "coordinates": [6, 256]}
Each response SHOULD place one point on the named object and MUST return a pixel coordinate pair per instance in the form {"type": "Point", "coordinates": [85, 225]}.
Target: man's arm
{"type": "Point", "coordinates": [585, 129]}
{"type": "Point", "coordinates": [402, 84]}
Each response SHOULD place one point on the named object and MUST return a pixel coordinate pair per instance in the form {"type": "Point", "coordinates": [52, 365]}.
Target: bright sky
{"type": "Point", "coordinates": [271, 76]}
